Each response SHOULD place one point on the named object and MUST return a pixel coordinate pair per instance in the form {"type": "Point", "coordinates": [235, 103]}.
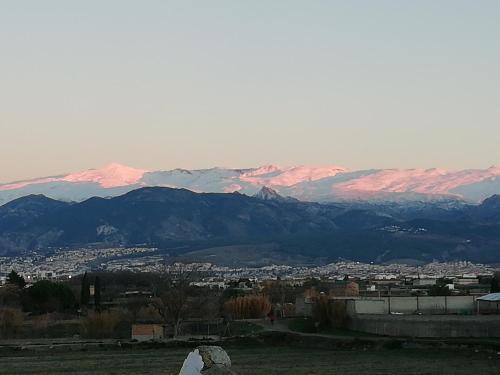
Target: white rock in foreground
{"type": "Point", "coordinates": [193, 364]}
{"type": "Point", "coordinates": [207, 360]}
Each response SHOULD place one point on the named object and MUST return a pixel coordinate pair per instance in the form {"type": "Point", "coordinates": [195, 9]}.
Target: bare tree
{"type": "Point", "coordinates": [10, 295]}
{"type": "Point", "coordinates": [174, 292]}
{"type": "Point", "coordinates": [277, 295]}
{"type": "Point", "coordinates": [135, 304]}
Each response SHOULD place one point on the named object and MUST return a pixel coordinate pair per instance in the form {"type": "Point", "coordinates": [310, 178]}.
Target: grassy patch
{"type": "Point", "coordinates": [303, 325]}
{"type": "Point", "coordinates": [243, 328]}
{"type": "Point", "coordinates": [257, 360]}
{"type": "Point", "coordinates": [307, 325]}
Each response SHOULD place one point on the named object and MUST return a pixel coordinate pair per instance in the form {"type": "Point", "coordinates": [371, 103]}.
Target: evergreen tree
{"type": "Point", "coordinates": [14, 278]}
{"type": "Point", "coordinates": [495, 283]}
{"type": "Point", "coordinates": [97, 294]}
{"type": "Point", "coordinates": [439, 290]}
{"type": "Point", "coordinates": [45, 296]}
{"type": "Point", "coordinates": [85, 291]}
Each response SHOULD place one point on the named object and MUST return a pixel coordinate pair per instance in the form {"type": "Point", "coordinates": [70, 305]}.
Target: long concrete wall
{"type": "Point", "coordinates": [413, 305]}
{"type": "Point", "coordinates": [427, 325]}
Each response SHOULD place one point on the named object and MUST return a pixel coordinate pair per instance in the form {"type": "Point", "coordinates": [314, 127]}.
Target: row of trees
{"type": "Point", "coordinates": [41, 297]}
{"type": "Point", "coordinates": [173, 299]}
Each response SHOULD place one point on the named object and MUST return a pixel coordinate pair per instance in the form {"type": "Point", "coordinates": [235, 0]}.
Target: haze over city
{"type": "Point", "coordinates": [359, 84]}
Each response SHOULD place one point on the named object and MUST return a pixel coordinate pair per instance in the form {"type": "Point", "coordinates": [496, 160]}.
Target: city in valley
{"type": "Point", "coordinates": [63, 264]}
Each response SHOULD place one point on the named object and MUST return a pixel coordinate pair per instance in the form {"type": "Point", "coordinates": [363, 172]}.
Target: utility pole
{"type": "Point", "coordinates": [389, 300]}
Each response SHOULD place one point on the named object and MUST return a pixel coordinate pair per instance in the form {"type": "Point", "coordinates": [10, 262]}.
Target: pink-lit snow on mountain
{"type": "Point", "coordinates": [21, 184]}
{"type": "Point", "coordinates": [425, 181]}
{"type": "Point", "coordinates": [109, 176]}
{"type": "Point", "coordinates": [112, 175]}
{"type": "Point", "coordinates": [264, 170]}
{"type": "Point", "coordinates": [327, 183]}
{"type": "Point", "coordinates": [289, 176]}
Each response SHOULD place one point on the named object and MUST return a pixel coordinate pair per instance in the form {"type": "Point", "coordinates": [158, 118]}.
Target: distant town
{"type": "Point", "coordinates": [63, 264]}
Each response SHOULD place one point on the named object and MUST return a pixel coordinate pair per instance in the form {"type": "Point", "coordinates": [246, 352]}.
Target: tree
{"type": "Point", "coordinates": [45, 296]}
{"type": "Point", "coordinates": [231, 293]}
{"type": "Point", "coordinates": [440, 290]}
{"type": "Point", "coordinates": [97, 294]}
{"type": "Point", "coordinates": [14, 278]}
{"type": "Point", "coordinates": [495, 283]}
{"type": "Point", "coordinates": [248, 307]}
{"type": "Point", "coordinates": [85, 291]}
{"type": "Point", "coordinates": [276, 292]}
{"type": "Point", "coordinates": [279, 294]}
{"type": "Point", "coordinates": [174, 292]}
{"type": "Point", "coordinates": [135, 304]}
{"type": "Point", "coordinates": [322, 310]}
{"type": "Point", "coordinates": [10, 295]}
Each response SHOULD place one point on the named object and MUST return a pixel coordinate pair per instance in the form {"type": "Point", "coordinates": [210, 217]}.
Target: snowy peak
{"type": "Point", "coordinates": [111, 175]}
{"type": "Point", "coordinates": [422, 181]}
{"type": "Point", "coordinates": [266, 193]}
{"type": "Point", "coordinates": [311, 183]}
{"type": "Point", "coordinates": [263, 171]}
{"type": "Point", "coordinates": [288, 176]}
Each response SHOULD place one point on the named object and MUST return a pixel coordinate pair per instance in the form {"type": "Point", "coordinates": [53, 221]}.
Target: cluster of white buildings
{"type": "Point", "coordinates": [63, 263]}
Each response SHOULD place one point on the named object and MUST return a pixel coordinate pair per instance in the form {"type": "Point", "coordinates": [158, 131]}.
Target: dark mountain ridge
{"type": "Point", "coordinates": [163, 217]}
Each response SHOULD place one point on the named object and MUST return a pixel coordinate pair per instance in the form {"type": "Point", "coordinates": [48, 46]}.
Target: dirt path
{"type": "Point", "coordinates": [281, 325]}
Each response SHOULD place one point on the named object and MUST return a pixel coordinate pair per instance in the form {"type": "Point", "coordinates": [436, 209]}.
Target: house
{"type": "Point", "coordinates": [147, 332]}
{"type": "Point", "coordinates": [465, 281]}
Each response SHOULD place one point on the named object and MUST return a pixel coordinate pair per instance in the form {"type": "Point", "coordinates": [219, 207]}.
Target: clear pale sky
{"type": "Point", "coordinates": [193, 84]}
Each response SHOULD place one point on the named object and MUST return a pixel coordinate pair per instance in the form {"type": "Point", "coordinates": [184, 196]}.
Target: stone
{"type": "Point", "coordinates": [193, 364]}
{"type": "Point", "coordinates": [207, 360]}
{"type": "Point", "coordinates": [214, 355]}
{"type": "Point", "coordinates": [218, 370]}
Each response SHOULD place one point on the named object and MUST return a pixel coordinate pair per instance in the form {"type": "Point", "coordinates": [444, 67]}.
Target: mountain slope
{"type": "Point", "coordinates": [180, 220]}
{"type": "Point", "coordinates": [157, 215]}
{"type": "Point", "coordinates": [22, 211]}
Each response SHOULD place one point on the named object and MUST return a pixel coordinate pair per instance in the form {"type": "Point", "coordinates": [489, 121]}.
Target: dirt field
{"type": "Point", "coordinates": [257, 360]}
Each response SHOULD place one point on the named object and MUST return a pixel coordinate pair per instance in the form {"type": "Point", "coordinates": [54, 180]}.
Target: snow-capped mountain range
{"type": "Point", "coordinates": [311, 183]}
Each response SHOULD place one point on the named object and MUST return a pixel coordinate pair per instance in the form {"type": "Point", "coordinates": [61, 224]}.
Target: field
{"type": "Point", "coordinates": [268, 360]}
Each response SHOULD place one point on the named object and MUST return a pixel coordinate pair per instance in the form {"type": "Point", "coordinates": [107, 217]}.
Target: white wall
{"type": "Point", "coordinates": [412, 305]}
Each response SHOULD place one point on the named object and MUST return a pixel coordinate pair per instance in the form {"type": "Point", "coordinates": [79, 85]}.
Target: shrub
{"type": "Point", "coordinates": [248, 307]}
{"type": "Point", "coordinates": [10, 321]}
{"type": "Point", "coordinates": [303, 325]}
{"type": "Point", "coordinates": [41, 323]}
{"type": "Point", "coordinates": [329, 313]}
{"type": "Point", "coordinates": [100, 324]}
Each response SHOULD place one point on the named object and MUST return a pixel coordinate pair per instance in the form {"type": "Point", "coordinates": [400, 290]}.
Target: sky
{"type": "Point", "coordinates": [196, 84]}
